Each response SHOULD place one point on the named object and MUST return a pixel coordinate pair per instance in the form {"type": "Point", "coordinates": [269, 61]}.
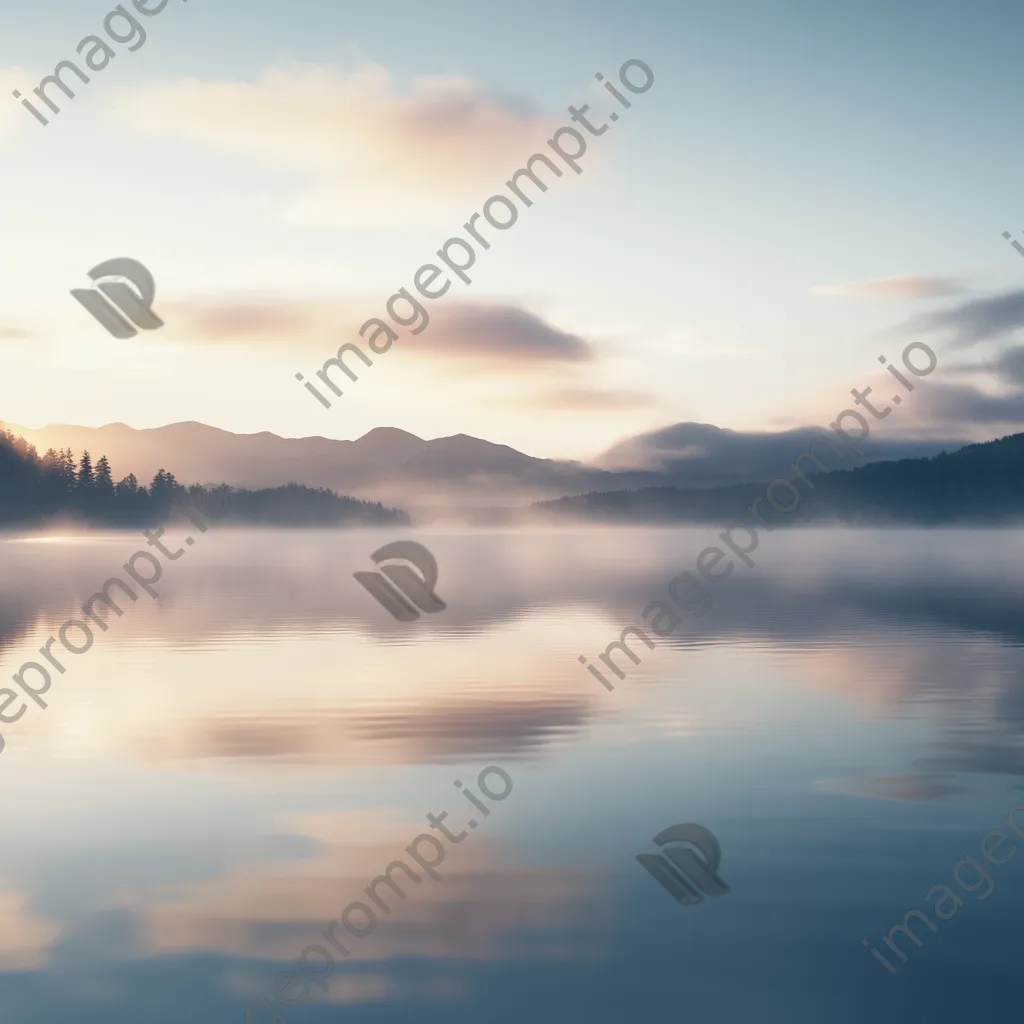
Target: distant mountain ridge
{"type": "Point", "coordinates": [399, 468]}
{"type": "Point", "coordinates": [54, 487]}
{"type": "Point", "coordinates": [980, 484]}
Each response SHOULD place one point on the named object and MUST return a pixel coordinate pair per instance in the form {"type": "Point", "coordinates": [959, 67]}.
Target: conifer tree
{"type": "Point", "coordinates": [85, 480]}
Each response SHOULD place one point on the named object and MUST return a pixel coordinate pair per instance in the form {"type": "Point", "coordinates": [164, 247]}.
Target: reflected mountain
{"type": "Point", "coordinates": [894, 633]}
{"type": "Point", "coordinates": [232, 762]}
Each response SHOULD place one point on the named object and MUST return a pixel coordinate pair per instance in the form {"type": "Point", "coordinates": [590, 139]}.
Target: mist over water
{"type": "Point", "coordinates": [229, 765]}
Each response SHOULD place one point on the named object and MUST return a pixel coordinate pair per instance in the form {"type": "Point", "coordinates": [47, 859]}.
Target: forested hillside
{"type": "Point", "coordinates": [978, 484]}
{"type": "Point", "coordinates": [35, 489]}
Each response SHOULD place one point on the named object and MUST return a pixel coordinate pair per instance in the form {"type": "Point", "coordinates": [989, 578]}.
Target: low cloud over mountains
{"type": "Point", "coordinates": [397, 467]}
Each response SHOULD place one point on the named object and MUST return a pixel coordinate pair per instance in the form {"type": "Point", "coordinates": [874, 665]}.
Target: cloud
{"type": "Point", "coordinates": [991, 319]}
{"type": "Point", "coordinates": [905, 286]}
{"type": "Point", "coordinates": [586, 398]}
{"type": "Point", "coordinates": [1009, 366]}
{"type": "Point", "coordinates": [502, 334]}
{"type": "Point", "coordinates": [476, 334]}
{"type": "Point", "coordinates": [704, 455]}
{"type": "Point", "coordinates": [8, 333]}
{"type": "Point", "coordinates": [245, 321]}
{"type": "Point", "coordinates": [994, 318]}
{"type": "Point", "coordinates": [277, 322]}
{"type": "Point", "coordinates": [369, 153]}
{"type": "Point", "coordinates": [976, 321]}
{"type": "Point", "coordinates": [962, 404]}
{"type": "Point", "coordinates": [1006, 366]}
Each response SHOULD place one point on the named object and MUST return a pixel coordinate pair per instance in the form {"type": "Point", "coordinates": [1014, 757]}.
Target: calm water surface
{"type": "Point", "coordinates": [231, 764]}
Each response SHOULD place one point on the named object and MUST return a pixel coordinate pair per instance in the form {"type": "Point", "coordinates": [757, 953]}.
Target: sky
{"type": "Point", "coordinates": [800, 183]}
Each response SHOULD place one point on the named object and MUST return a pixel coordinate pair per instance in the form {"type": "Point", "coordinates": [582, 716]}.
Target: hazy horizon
{"type": "Point", "coordinates": [511, 511]}
{"type": "Point", "coordinates": [272, 236]}
{"type": "Point", "coordinates": [236, 759]}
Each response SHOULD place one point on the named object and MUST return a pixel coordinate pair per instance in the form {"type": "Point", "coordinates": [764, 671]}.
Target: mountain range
{"type": "Point", "coordinates": [449, 473]}
{"type": "Point", "coordinates": [980, 484]}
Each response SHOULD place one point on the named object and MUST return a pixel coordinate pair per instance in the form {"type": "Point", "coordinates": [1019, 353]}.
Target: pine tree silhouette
{"type": "Point", "coordinates": [33, 489]}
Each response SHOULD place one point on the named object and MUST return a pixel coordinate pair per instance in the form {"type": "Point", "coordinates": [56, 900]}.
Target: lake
{"type": "Point", "coordinates": [228, 767]}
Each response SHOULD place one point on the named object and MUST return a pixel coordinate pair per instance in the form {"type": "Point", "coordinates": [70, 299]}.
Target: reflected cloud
{"type": "Point", "coordinates": [412, 733]}
{"type": "Point", "coordinates": [25, 937]}
{"type": "Point", "coordinates": [914, 787]}
{"type": "Point", "coordinates": [480, 909]}
{"type": "Point", "coordinates": [262, 649]}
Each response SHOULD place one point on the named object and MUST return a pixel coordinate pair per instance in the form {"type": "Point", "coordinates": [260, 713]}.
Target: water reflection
{"type": "Point", "coordinates": [231, 764]}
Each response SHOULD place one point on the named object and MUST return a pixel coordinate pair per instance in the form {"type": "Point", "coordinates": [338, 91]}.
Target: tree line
{"type": "Point", "coordinates": [977, 484]}
{"type": "Point", "coordinates": [35, 488]}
